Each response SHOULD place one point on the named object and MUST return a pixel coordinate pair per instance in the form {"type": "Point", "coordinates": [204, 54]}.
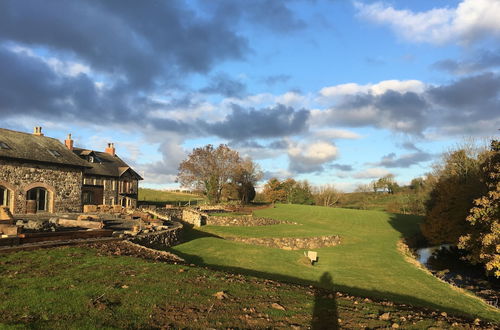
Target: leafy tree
{"type": "Point", "coordinates": [301, 193]}
{"type": "Point", "coordinates": [245, 177]}
{"type": "Point", "coordinates": [215, 170]}
{"type": "Point", "coordinates": [274, 191]}
{"type": "Point", "coordinates": [288, 191]}
{"type": "Point", "coordinates": [458, 184]}
{"type": "Point", "coordinates": [483, 239]}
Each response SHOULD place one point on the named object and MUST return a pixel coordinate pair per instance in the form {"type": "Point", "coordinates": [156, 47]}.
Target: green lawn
{"type": "Point", "coordinates": [367, 263]}
{"type": "Point", "coordinates": [93, 288]}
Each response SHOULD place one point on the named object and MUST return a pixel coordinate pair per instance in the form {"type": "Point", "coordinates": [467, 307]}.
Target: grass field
{"type": "Point", "coordinates": [367, 263]}
{"type": "Point", "coordinates": [94, 288]}
{"type": "Point", "coordinates": [370, 200]}
{"type": "Point", "coordinates": [162, 197]}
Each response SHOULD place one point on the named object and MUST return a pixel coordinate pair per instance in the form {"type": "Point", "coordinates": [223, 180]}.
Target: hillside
{"type": "Point", "coordinates": [367, 263]}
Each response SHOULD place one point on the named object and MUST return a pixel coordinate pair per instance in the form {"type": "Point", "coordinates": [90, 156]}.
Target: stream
{"type": "Point", "coordinates": [446, 262]}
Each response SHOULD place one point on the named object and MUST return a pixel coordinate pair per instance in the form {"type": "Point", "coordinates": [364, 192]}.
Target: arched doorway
{"type": "Point", "coordinates": [40, 196]}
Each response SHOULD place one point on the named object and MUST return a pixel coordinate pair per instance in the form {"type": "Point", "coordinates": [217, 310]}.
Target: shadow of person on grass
{"type": "Point", "coordinates": [325, 313]}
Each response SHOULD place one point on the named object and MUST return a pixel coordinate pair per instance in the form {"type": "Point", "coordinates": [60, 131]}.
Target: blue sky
{"type": "Point", "coordinates": [335, 92]}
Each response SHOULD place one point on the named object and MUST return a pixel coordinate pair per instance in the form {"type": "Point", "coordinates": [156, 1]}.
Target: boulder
{"type": "Point", "coordinates": [89, 208]}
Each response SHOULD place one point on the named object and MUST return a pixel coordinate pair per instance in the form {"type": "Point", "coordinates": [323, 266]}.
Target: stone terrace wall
{"type": "Point", "coordinates": [172, 213]}
{"type": "Point", "coordinates": [160, 240]}
{"type": "Point", "coordinates": [244, 220]}
{"type": "Point", "coordinates": [194, 217]}
{"type": "Point", "coordinates": [215, 208]}
{"type": "Point", "coordinates": [291, 243]}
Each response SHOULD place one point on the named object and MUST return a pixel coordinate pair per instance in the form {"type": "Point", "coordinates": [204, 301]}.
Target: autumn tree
{"type": "Point", "coordinates": [483, 238]}
{"type": "Point", "coordinates": [274, 191]}
{"type": "Point", "coordinates": [211, 170]}
{"type": "Point", "coordinates": [288, 191]}
{"type": "Point", "coordinates": [459, 183]}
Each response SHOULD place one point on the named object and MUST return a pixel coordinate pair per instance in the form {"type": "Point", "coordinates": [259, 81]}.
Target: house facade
{"type": "Point", "coordinates": [40, 174]}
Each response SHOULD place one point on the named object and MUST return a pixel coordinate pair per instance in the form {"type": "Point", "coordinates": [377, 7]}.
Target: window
{"type": "Point", "coordinates": [87, 197]}
{"type": "Point", "coordinates": [54, 153]}
{"type": "Point", "coordinates": [4, 196]}
{"type": "Point", "coordinates": [4, 145]}
{"type": "Point", "coordinates": [87, 181]}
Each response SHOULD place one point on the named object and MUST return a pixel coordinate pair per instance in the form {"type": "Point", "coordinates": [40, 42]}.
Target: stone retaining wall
{"type": "Point", "coordinates": [243, 220]}
{"type": "Point", "coordinates": [291, 243]}
{"type": "Point", "coordinates": [194, 217]}
{"type": "Point", "coordinates": [160, 240]}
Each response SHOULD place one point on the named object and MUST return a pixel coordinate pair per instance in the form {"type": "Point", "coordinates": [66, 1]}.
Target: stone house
{"type": "Point", "coordinates": [40, 174]}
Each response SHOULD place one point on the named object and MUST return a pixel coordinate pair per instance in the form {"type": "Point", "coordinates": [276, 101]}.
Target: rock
{"type": "Point", "coordinates": [477, 322]}
{"type": "Point", "coordinates": [395, 326]}
{"type": "Point", "coordinates": [385, 317]}
{"type": "Point", "coordinates": [221, 295]}
{"type": "Point", "coordinates": [278, 306]}
{"type": "Point", "coordinates": [444, 314]}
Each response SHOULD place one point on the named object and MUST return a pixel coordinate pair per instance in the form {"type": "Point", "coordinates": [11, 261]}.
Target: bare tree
{"type": "Point", "coordinates": [326, 195]}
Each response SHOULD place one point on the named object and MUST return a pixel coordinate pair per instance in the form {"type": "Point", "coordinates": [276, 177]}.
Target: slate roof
{"type": "Point", "coordinates": [105, 164]}
{"type": "Point", "coordinates": [34, 148]}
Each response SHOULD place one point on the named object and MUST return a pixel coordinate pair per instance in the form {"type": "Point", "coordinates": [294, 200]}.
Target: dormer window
{"type": "Point", "coordinates": [55, 153]}
{"type": "Point", "coordinates": [4, 145]}
{"type": "Point", "coordinates": [91, 159]}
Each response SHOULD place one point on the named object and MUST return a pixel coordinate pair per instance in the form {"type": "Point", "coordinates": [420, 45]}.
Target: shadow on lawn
{"type": "Point", "coordinates": [409, 227]}
{"type": "Point", "coordinates": [325, 314]}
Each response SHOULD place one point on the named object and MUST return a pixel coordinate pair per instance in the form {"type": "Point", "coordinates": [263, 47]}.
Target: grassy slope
{"type": "Point", "coordinates": [153, 195]}
{"type": "Point", "coordinates": [80, 288]}
{"type": "Point", "coordinates": [370, 200]}
{"type": "Point", "coordinates": [367, 263]}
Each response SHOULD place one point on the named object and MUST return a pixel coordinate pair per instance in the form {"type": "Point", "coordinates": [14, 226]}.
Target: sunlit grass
{"type": "Point", "coordinates": [367, 263]}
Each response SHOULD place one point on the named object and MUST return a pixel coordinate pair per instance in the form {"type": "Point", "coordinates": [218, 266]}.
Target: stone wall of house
{"type": "Point", "coordinates": [63, 183]}
{"type": "Point", "coordinates": [291, 243]}
{"type": "Point", "coordinates": [243, 220]}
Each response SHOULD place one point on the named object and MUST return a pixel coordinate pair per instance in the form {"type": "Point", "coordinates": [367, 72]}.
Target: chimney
{"type": "Point", "coordinates": [111, 149]}
{"type": "Point", "coordinates": [38, 131]}
{"type": "Point", "coordinates": [69, 142]}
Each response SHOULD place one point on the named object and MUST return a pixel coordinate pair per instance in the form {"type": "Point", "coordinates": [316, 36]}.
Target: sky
{"type": "Point", "coordinates": [330, 91]}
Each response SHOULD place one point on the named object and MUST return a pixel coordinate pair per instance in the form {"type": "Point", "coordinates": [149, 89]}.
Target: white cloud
{"type": "Point", "coordinates": [319, 151]}
{"type": "Point", "coordinates": [291, 99]}
{"type": "Point", "coordinates": [310, 157]}
{"type": "Point", "coordinates": [470, 21]}
{"type": "Point", "coordinates": [330, 93]}
{"type": "Point", "coordinates": [371, 173]}
{"type": "Point", "coordinates": [336, 134]}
